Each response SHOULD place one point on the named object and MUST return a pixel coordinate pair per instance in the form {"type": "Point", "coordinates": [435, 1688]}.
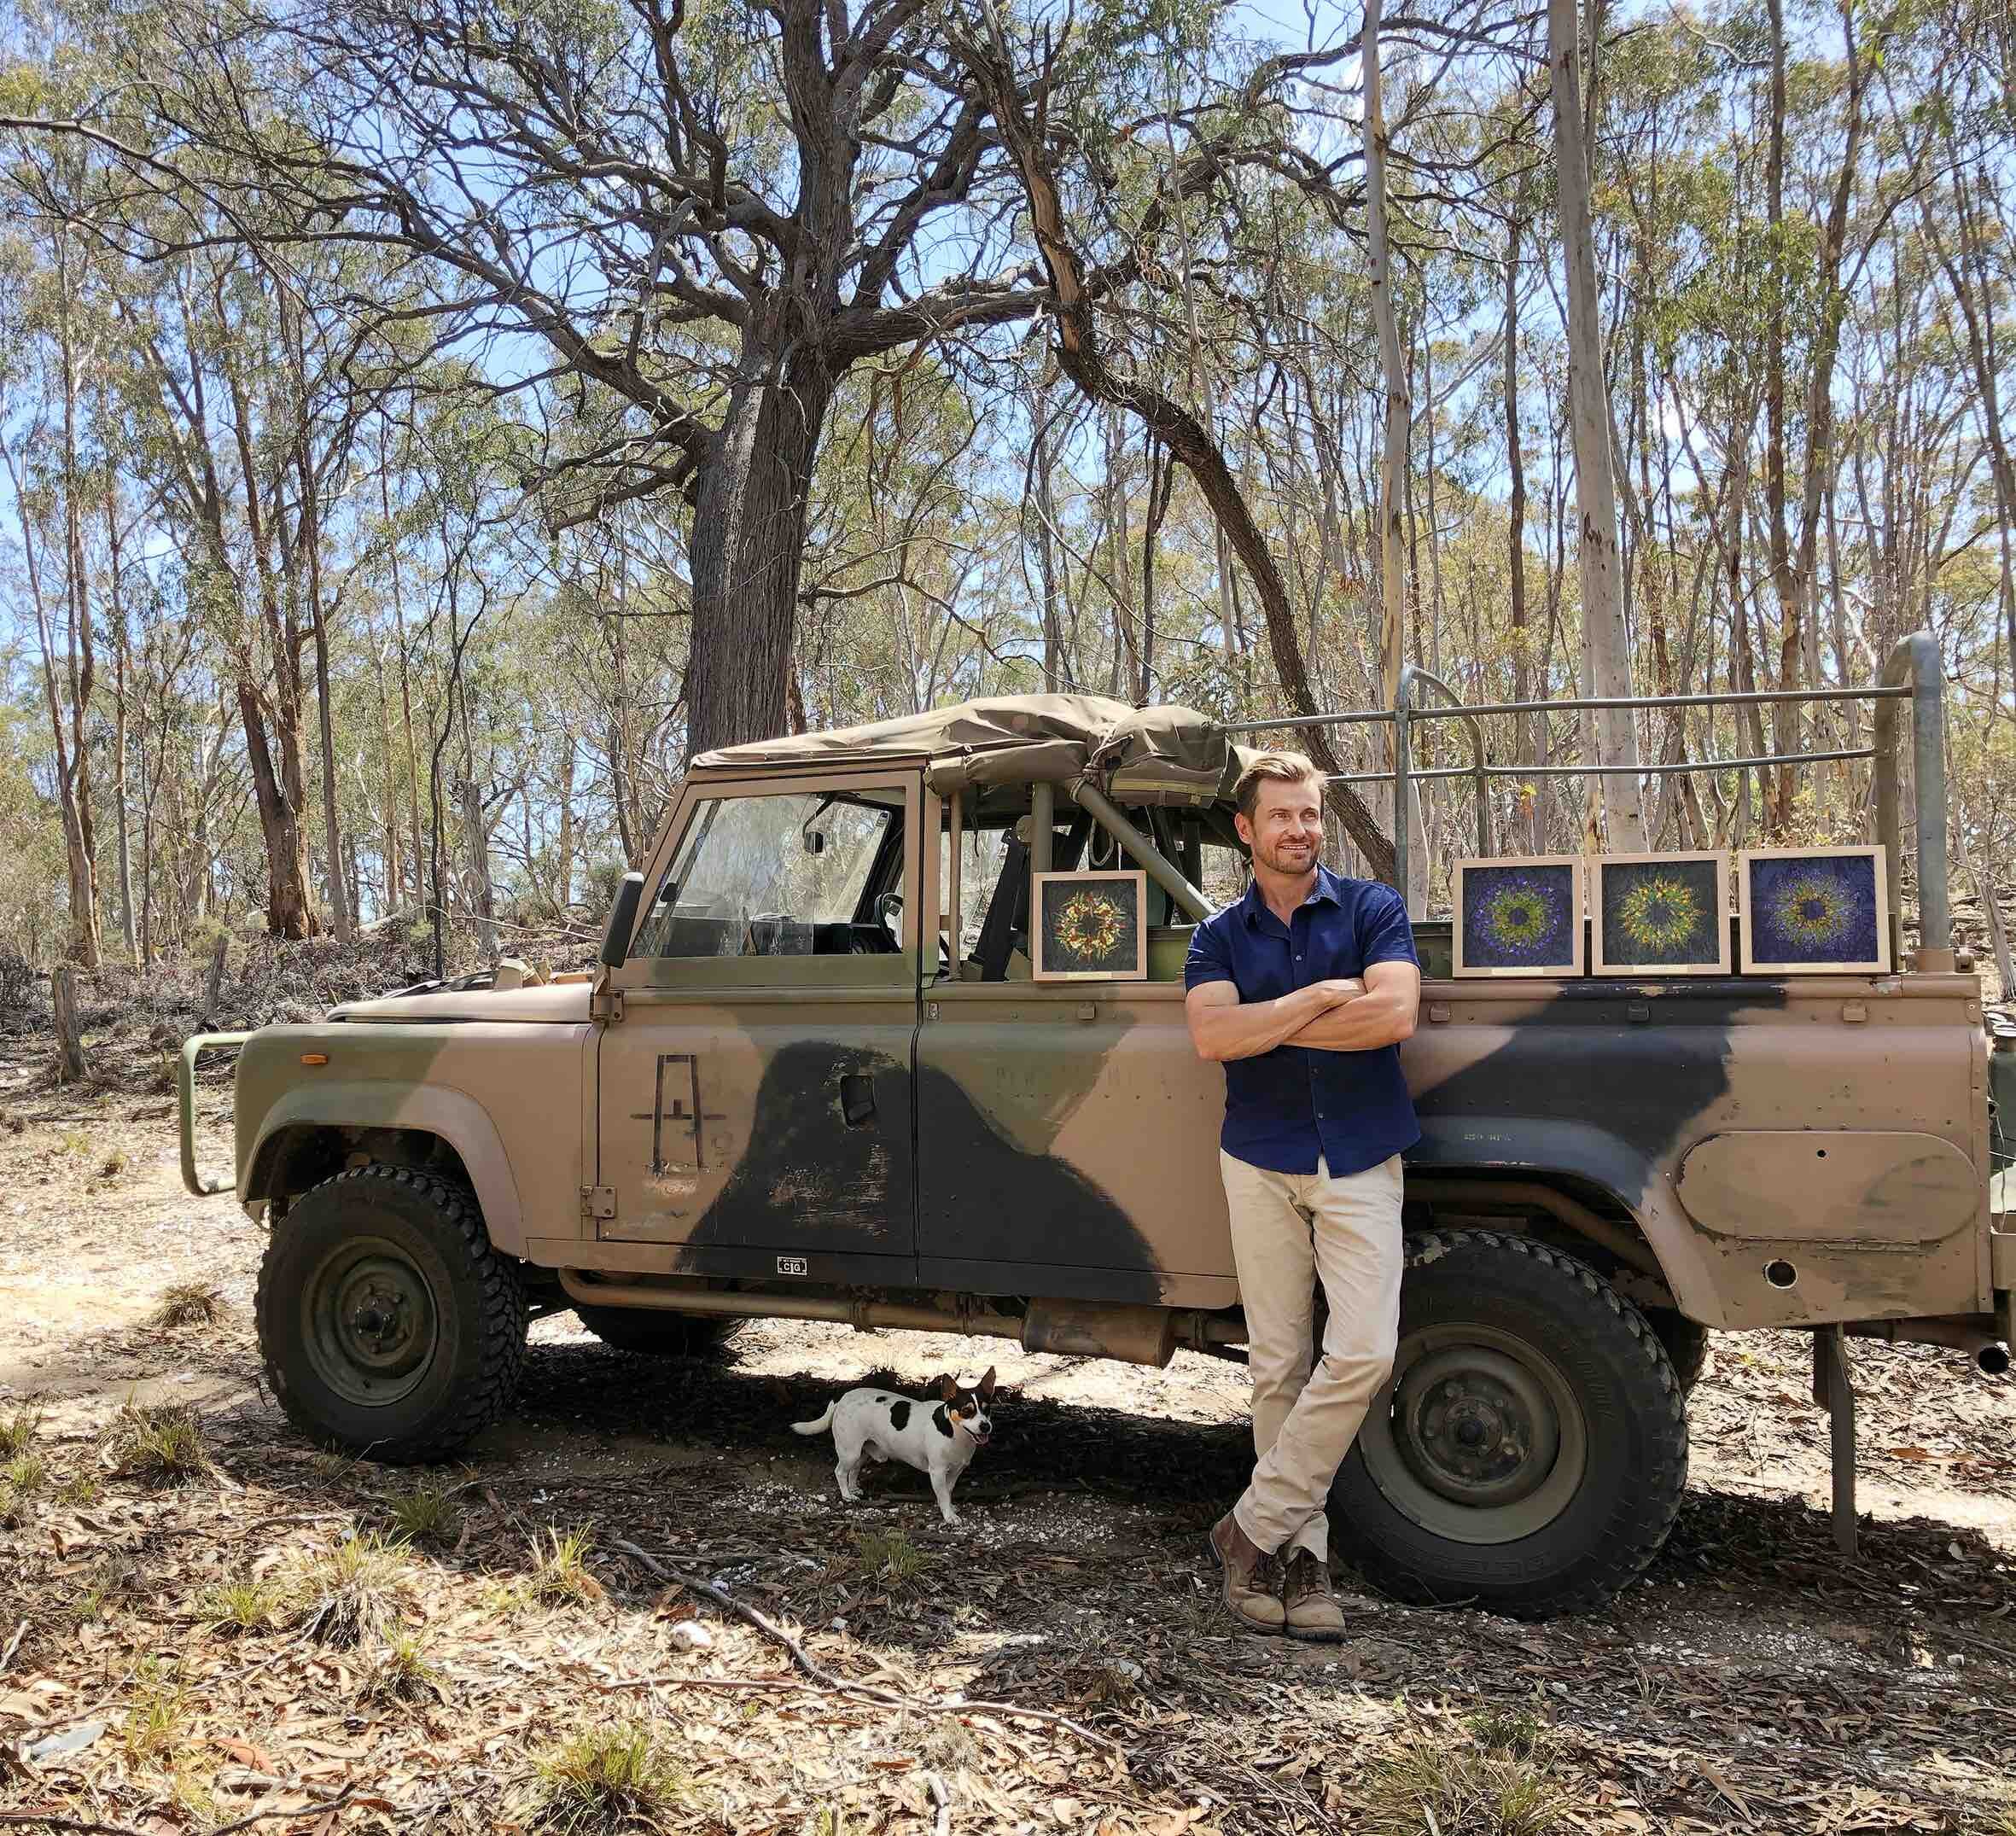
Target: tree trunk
{"type": "Point", "coordinates": [748, 541]}
{"type": "Point", "coordinates": [72, 1066]}
{"type": "Point", "coordinates": [1180, 432]}
{"type": "Point", "coordinates": [1393, 581]}
{"type": "Point", "coordinates": [311, 556]}
{"type": "Point", "coordinates": [1605, 646]}
{"type": "Point", "coordinates": [1522, 641]}
{"type": "Point", "coordinates": [116, 606]}
{"type": "Point", "coordinates": [289, 914]}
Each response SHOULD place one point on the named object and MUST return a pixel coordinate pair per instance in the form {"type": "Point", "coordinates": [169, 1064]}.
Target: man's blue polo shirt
{"type": "Point", "coordinates": [1284, 1107]}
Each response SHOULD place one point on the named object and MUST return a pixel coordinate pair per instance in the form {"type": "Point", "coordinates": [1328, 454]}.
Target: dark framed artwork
{"type": "Point", "coordinates": [1813, 910]}
{"type": "Point", "coordinates": [1661, 914]}
{"type": "Point", "coordinates": [1517, 917]}
{"type": "Point", "coordinates": [1090, 927]}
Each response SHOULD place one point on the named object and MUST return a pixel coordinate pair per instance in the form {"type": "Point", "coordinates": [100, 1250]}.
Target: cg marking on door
{"type": "Point", "coordinates": [691, 1120]}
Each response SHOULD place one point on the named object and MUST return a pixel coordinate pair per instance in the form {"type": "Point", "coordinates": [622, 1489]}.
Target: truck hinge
{"type": "Point", "coordinates": [598, 1201]}
{"type": "Point", "coordinates": [606, 1005]}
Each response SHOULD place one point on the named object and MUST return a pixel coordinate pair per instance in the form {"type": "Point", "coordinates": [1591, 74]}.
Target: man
{"type": "Point", "coordinates": [1303, 988]}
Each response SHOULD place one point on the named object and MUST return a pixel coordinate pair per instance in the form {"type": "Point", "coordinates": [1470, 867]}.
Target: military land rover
{"type": "Point", "coordinates": [814, 1078]}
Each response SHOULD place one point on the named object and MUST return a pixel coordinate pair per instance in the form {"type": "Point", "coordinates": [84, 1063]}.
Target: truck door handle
{"type": "Point", "coordinates": [857, 1099]}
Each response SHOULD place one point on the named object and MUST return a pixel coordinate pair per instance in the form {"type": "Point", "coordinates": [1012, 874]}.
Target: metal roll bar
{"type": "Point", "coordinates": [1912, 672]}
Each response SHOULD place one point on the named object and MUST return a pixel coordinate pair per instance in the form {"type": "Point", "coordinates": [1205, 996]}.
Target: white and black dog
{"type": "Point", "coordinates": [938, 1438]}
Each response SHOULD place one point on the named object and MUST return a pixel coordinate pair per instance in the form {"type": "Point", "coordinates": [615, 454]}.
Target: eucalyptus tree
{"type": "Point", "coordinates": [705, 216]}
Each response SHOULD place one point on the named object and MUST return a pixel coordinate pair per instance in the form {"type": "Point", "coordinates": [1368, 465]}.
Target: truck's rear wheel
{"type": "Point", "coordinates": [657, 1333]}
{"type": "Point", "coordinates": [1529, 1453]}
{"type": "Point", "coordinates": [386, 1323]}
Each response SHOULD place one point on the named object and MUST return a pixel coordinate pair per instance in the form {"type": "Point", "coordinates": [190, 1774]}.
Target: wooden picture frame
{"type": "Point", "coordinates": [1536, 894]}
{"type": "Point", "coordinates": [1843, 895]}
{"type": "Point", "coordinates": [1640, 936]}
{"type": "Point", "coordinates": [1089, 927]}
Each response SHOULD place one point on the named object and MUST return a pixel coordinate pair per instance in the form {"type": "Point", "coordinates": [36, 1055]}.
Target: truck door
{"type": "Point", "coordinates": [753, 1100]}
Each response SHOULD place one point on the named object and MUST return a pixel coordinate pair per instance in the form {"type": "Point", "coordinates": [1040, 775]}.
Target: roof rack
{"type": "Point", "coordinates": [1912, 673]}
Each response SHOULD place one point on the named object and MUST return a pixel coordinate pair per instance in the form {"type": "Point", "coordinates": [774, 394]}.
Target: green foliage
{"type": "Point", "coordinates": [560, 1575]}
{"type": "Point", "coordinates": [609, 1777]}
{"type": "Point", "coordinates": [159, 1443]}
{"type": "Point", "coordinates": [353, 1593]}
{"type": "Point", "coordinates": [426, 1513]}
{"type": "Point", "coordinates": [1494, 1778]}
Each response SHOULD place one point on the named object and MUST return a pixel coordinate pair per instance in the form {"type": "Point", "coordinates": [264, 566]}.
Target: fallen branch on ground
{"type": "Point", "coordinates": [834, 1685]}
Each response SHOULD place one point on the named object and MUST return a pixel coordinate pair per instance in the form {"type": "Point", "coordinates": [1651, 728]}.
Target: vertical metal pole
{"type": "Point", "coordinates": [1928, 758]}
{"type": "Point", "coordinates": [1889, 823]}
{"type": "Point", "coordinates": [1833, 1389]}
{"type": "Point", "coordinates": [1401, 767]}
{"type": "Point", "coordinates": [1042, 826]}
{"type": "Point", "coordinates": [954, 810]}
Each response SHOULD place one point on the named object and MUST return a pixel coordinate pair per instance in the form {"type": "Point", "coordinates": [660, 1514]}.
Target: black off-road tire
{"type": "Point", "coordinates": [1685, 1342]}
{"type": "Point", "coordinates": [1499, 1333]}
{"type": "Point", "coordinates": [657, 1333]}
{"type": "Point", "coordinates": [406, 1248]}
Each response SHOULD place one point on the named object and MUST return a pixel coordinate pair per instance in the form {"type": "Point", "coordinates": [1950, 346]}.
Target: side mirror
{"type": "Point", "coordinates": [615, 939]}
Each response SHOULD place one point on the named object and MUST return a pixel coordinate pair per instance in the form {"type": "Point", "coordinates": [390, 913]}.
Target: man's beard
{"type": "Point", "coordinates": [1288, 864]}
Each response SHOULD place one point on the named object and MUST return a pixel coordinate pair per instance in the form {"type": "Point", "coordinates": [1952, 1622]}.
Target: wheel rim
{"type": "Point", "coordinates": [1477, 1436]}
{"type": "Point", "coordinates": [369, 1322]}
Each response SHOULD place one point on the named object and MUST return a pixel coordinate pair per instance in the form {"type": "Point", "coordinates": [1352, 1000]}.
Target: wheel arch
{"type": "Point", "coordinates": [1598, 1186]}
{"type": "Point", "coordinates": [311, 1132]}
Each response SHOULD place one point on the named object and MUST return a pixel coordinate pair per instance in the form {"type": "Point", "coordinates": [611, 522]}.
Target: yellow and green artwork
{"type": "Point", "coordinates": [1090, 927]}
{"type": "Point", "coordinates": [1519, 917]}
{"type": "Point", "coordinates": [1814, 911]}
{"type": "Point", "coordinates": [1662, 914]}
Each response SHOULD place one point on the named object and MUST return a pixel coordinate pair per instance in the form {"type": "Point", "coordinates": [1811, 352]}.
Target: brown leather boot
{"type": "Point", "coordinates": [1312, 1610]}
{"type": "Point", "coordinates": [1252, 1577]}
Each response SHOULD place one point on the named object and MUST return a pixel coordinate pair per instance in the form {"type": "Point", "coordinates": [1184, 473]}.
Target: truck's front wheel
{"type": "Point", "coordinates": [386, 1323]}
{"type": "Point", "coordinates": [1530, 1450]}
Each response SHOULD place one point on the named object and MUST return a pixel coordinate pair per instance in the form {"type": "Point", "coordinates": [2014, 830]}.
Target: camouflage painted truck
{"type": "Point", "coordinates": [813, 1078]}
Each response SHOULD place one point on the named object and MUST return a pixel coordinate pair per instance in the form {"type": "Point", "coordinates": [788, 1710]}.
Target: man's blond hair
{"type": "Point", "coordinates": [1273, 767]}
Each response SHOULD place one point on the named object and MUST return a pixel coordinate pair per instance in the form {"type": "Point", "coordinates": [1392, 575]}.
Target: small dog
{"type": "Point", "coordinates": [939, 1439]}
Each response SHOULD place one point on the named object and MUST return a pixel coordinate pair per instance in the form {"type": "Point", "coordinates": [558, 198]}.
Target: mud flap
{"type": "Point", "coordinates": [1833, 1391]}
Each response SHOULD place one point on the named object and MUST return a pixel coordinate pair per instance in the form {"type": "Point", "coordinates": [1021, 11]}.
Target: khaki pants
{"type": "Point", "coordinates": [1288, 1229]}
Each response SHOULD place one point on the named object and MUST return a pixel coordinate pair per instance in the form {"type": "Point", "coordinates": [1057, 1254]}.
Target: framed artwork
{"type": "Point", "coordinates": [1519, 916]}
{"type": "Point", "coordinates": [1813, 910]}
{"type": "Point", "coordinates": [1661, 914]}
{"type": "Point", "coordinates": [1090, 927]}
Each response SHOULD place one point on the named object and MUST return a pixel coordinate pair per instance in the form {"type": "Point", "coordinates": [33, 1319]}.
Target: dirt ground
{"type": "Point", "coordinates": [1058, 1663]}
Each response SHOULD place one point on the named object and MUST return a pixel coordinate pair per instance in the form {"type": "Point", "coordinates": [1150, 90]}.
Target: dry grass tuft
{"type": "Point", "coordinates": [108, 1581]}
{"type": "Point", "coordinates": [560, 1575]}
{"type": "Point", "coordinates": [1488, 1778]}
{"type": "Point", "coordinates": [604, 1779]}
{"type": "Point", "coordinates": [890, 1558]}
{"type": "Point", "coordinates": [154, 1715]}
{"type": "Point", "coordinates": [19, 1429]}
{"type": "Point", "coordinates": [113, 1164]}
{"type": "Point", "coordinates": [427, 1514]}
{"type": "Point", "coordinates": [247, 1605]}
{"type": "Point", "coordinates": [188, 1303]}
{"type": "Point", "coordinates": [159, 1443]}
{"type": "Point", "coordinates": [353, 1593]}
{"type": "Point", "coordinates": [403, 1672]}
{"type": "Point", "coordinates": [20, 1479]}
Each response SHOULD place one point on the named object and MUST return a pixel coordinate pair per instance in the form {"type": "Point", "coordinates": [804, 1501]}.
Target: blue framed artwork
{"type": "Point", "coordinates": [1661, 914]}
{"type": "Point", "coordinates": [1517, 917]}
{"type": "Point", "coordinates": [1813, 910]}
